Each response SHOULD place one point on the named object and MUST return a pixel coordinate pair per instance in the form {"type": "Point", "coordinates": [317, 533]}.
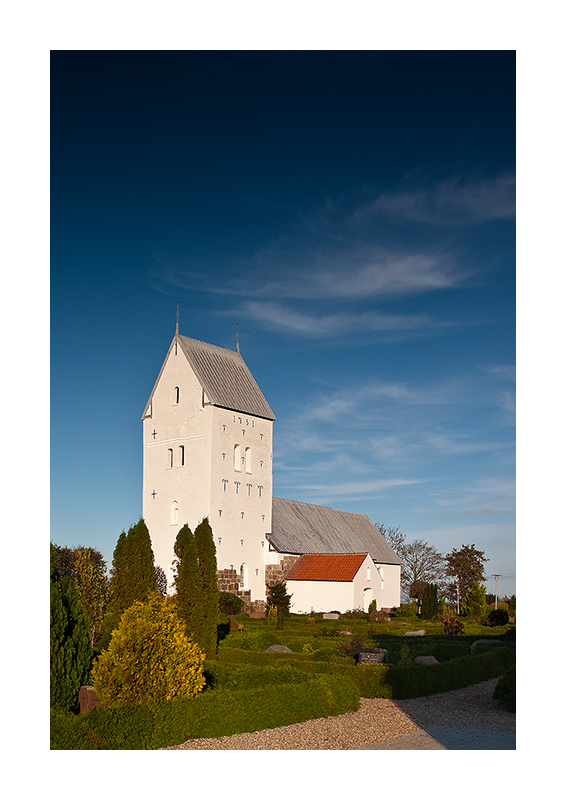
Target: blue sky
{"type": "Point", "coordinates": [353, 213]}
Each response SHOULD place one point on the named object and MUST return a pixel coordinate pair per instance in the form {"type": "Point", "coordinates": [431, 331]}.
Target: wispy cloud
{"type": "Point", "coordinates": [351, 270]}
{"type": "Point", "coordinates": [451, 203]}
{"type": "Point", "coordinates": [360, 487]}
{"type": "Point", "coordinates": [339, 249]}
{"type": "Point", "coordinates": [283, 318]}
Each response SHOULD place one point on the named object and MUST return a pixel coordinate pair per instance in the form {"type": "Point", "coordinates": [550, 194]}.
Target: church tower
{"type": "Point", "coordinates": [207, 452]}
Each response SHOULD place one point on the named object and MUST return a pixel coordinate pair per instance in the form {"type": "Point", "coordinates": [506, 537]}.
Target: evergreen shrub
{"type": "Point", "coordinates": [149, 657]}
{"type": "Point", "coordinates": [418, 680]}
{"type": "Point", "coordinates": [498, 616]}
{"type": "Point", "coordinates": [505, 690]}
{"type": "Point", "coordinates": [220, 712]}
{"type": "Point", "coordinates": [406, 610]}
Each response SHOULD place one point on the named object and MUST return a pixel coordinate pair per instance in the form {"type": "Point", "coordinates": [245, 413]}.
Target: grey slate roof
{"type": "Point", "coordinates": [223, 375]}
{"type": "Point", "coordinates": [225, 378]}
{"type": "Point", "coordinates": [305, 528]}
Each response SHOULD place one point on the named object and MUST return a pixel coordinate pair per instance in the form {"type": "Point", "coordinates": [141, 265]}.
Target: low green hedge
{"type": "Point", "coordinates": [370, 679]}
{"type": "Point", "coordinates": [505, 691]}
{"type": "Point", "coordinates": [418, 680]}
{"type": "Point", "coordinates": [215, 713]}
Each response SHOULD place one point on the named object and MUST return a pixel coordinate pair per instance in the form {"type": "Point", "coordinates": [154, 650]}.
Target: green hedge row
{"type": "Point", "coordinates": [220, 712]}
{"type": "Point", "coordinates": [246, 674]}
{"type": "Point", "coordinates": [418, 680]}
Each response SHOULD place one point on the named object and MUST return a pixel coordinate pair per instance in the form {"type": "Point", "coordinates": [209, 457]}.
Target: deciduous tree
{"type": "Point", "coordinates": [91, 585]}
{"type": "Point", "coordinates": [422, 563]}
{"type": "Point", "coordinates": [466, 565]}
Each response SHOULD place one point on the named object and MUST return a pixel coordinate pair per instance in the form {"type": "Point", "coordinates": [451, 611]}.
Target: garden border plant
{"type": "Point", "coordinates": [221, 712]}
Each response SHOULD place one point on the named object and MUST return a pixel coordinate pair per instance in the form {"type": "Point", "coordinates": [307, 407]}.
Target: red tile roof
{"type": "Point", "coordinates": [326, 567]}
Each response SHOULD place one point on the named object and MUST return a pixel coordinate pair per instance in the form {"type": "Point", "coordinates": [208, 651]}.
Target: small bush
{"type": "Point", "coordinates": [497, 617]}
{"type": "Point", "coordinates": [230, 603]}
{"type": "Point", "coordinates": [406, 610]}
{"type": "Point", "coordinates": [453, 627]}
{"type": "Point", "coordinates": [505, 690]}
{"type": "Point", "coordinates": [149, 657]}
{"type": "Point", "coordinates": [355, 613]}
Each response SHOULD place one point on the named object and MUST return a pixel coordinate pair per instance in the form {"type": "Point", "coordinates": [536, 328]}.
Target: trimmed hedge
{"type": "Point", "coordinates": [368, 678]}
{"type": "Point", "coordinates": [505, 690]}
{"type": "Point", "coordinates": [418, 680]}
{"type": "Point", "coordinates": [220, 712]}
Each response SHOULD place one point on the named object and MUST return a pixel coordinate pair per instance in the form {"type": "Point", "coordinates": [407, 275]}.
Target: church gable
{"type": "Point", "coordinates": [225, 378]}
{"type": "Point", "coordinates": [223, 375]}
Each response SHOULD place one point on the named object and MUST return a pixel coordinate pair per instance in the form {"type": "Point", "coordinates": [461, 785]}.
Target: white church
{"type": "Point", "coordinates": [208, 452]}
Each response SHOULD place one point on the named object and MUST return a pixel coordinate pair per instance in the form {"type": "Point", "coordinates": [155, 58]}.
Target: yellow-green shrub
{"type": "Point", "coordinates": [149, 657]}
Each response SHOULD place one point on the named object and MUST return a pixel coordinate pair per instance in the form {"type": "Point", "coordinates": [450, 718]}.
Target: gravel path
{"type": "Point", "coordinates": [375, 721]}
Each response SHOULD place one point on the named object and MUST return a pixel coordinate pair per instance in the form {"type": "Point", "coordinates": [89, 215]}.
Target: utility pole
{"type": "Point", "coordinates": [496, 579]}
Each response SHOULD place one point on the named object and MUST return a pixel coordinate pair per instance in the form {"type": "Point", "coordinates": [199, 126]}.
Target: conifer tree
{"type": "Point", "coordinates": [133, 571]}
{"type": "Point", "coordinates": [429, 608]}
{"type": "Point", "coordinates": [475, 603]}
{"type": "Point", "coordinates": [209, 596]}
{"type": "Point", "coordinates": [186, 578]}
{"type": "Point", "coordinates": [70, 647]}
{"type": "Point", "coordinates": [197, 585]}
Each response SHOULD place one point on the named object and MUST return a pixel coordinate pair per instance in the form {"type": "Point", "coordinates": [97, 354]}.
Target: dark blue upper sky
{"type": "Point", "coordinates": [353, 212]}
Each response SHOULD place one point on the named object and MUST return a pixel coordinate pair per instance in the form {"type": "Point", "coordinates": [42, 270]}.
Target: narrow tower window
{"type": "Point", "coordinates": [181, 455]}
{"type": "Point", "coordinates": [170, 458]}
{"type": "Point", "coordinates": [248, 459]}
{"type": "Point", "coordinates": [174, 513]}
{"type": "Point", "coordinates": [237, 458]}
{"type": "Point", "coordinates": [176, 395]}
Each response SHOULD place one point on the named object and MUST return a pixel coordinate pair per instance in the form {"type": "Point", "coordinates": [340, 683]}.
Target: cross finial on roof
{"type": "Point", "coordinates": [177, 325]}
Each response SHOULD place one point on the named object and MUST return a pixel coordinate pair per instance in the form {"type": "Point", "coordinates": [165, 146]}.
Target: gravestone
{"type": "Point", "coordinates": [278, 648]}
{"type": "Point", "coordinates": [425, 660]}
{"type": "Point", "coordinates": [331, 616]}
{"type": "Point", "coordinates": [485, 641]}
{"type": "Point", "coordinates": [373, 655]}
{"type": "Point", "coordinates": [415, 633]}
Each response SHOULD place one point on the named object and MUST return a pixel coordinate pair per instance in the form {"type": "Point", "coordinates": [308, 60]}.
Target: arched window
{"type": "Point", "coordinates": [248, 459]}
{"type": "Point", "coordinates": [181, 454]}
{"type": "Point", "coordinates": [237, 458]}
{"type": "Point", "coordinates": [170, 458]}
{"type": "Point", "coordinates": [244, 576]}
{"type": "Point", "coordinates": [176, 395]}
{"type": "Point", "coordinates": [174, 513]}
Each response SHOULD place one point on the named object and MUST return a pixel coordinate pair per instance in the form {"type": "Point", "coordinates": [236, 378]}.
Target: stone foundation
{"type": "Point", "coordinates": [275, 573]}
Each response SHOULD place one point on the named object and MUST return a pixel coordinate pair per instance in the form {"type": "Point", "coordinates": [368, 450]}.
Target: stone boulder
{"type": "Point", "coordinates": [415, 633]}
{"type": "Point", "coordinates": [278, 648]}
{"type": "Point", "coordinates": [484, 641]}
{"type": "Point", "coordinates": [425, 660]}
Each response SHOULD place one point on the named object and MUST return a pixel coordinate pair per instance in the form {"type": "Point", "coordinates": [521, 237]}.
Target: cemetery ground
{"type": "Point", "coordinates": [310, 676]}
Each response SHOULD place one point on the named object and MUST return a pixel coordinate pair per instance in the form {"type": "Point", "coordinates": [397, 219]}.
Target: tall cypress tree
{"type": "Point", "coordinates": [133, 571]}
{"type": "Point", "coordinates": [186, 579]}
{"type": "Point", "coordinates": [70, 649]}
{"type": "Point", "coordinates": [208, 587]}
{"type": "Point", "coordinates": [142, 577]}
